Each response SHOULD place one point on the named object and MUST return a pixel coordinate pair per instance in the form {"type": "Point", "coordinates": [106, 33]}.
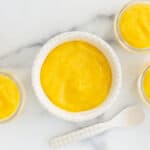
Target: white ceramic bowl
{"type": "Point", "coordinates": [105, 49]}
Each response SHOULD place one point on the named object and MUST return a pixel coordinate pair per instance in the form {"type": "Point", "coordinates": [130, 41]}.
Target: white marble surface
{"type": "Point", "coordinates": [25, 26]}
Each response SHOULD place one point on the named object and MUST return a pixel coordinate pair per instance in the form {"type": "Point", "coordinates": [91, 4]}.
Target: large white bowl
{"type": "Point", "coordinates": [105, 49]}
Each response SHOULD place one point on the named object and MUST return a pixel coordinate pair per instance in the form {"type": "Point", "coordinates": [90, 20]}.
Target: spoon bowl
{"type": "Point", "coordinates": [130, 116]}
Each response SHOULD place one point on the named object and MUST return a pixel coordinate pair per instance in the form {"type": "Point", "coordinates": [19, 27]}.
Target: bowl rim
{"type": "Point", "coordinates": [104, 48]}
{"type": "Point", "coordinates": [117, 34]}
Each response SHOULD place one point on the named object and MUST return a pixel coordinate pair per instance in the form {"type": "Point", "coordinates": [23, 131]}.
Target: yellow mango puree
{"type": "Point", "coordinates": [76, 76]}
{"type": "Point", "coordinates": [9, 97]}
{"type": "Point", "coordinates": [146, 84]}
{"type": "Point", "coordinates": [134, 25]}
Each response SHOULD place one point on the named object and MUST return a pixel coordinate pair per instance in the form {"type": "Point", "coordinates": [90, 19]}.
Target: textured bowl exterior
{"type": "Point", "coordinates": [105, 49]}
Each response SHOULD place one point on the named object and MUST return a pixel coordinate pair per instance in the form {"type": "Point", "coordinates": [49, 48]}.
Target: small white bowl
{"type": "Point", "coordinates": [117, 33]}
{"type": "Point", "coordinates": [140, 84]}
{"type": "Point", "coordinates": [104, 48]}
{"type": "Point", "coordinates": [15, 114]}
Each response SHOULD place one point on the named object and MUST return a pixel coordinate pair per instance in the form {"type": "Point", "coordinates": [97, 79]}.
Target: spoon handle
{"type": "Point", "coordinates": [80, 134]}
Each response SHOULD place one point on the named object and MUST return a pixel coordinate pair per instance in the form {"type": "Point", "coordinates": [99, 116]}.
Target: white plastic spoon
{"type": "Point", "coordinates": [130, 116]}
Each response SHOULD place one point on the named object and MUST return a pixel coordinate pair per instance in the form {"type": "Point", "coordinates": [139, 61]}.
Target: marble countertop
{"type": "Point", "coordinates": [25, 26]}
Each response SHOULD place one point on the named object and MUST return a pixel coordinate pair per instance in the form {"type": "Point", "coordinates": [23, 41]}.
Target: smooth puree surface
{"type": "Point", "coordinates": [76, 76]}
{"type": "Point", "coordinates": [146, 84]}
{"type": "Point", "coordinates": [9, 96]}
{"type": "Point", "coordinates": [134, 25]}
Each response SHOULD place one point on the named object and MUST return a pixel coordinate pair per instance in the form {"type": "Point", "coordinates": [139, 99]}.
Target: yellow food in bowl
{"type": "Point", "coordinates": [146, 83]}
{"type": "Point", "coordinates": [9, 97]}
{"type": "Point", "coordinates": [134, 25]}
{"type": "Point", "coordinates": [76, 76]}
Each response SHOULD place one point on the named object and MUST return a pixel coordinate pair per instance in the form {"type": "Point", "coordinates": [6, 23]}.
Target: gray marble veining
{"type": "Point", "coordinates": [35, 125]}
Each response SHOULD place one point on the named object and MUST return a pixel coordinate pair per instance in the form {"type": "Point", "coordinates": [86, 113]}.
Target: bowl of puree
{"type": "Point", "coordinates": [144, 84]}
{"type": "Point", "coordinates": [132, 26]}
{"type": "Point", "coordinates": [76, 76]}
{"type": "Point", "coordinates": [11, 96]}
